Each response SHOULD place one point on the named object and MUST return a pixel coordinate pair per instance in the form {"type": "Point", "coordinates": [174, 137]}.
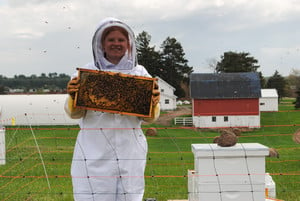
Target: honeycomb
{"type": "Point", "coordinates": [114, 92]}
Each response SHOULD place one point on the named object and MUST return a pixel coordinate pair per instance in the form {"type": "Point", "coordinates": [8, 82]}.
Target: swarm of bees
{"type": "Point", "coordinates": [115, 92]}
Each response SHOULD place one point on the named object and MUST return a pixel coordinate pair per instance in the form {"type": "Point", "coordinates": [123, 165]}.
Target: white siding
{"type": "Point", "coordinates": [34, 110]}
{"type": "Point", "coordinates": [167, 97]}
{"type": "Point", "coordinates": [268, 100]}
{"type": "Point", "coordinates": [252, 121]}
{"type": "Point", "coordinates": [2, 147]}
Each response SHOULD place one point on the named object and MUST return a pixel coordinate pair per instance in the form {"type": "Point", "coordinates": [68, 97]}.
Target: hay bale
{"type": "Point", "coordinates": [237, 131]}
{"type": "Point", "coordinates": [273, 153]}
{"type": "Point", "coordinates": [151, 132]}
{"type": "Point", "coordinates": [216, 139]}
{"type": "Point", "coordinates": [296, 136]}
{"type": "Point", "coordinates": [227, 139]}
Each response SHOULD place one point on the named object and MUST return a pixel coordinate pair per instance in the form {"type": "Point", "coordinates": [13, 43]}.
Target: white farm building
{"type": "Point", "coordinates": [269, 100]}
{"type": "Point", "coordinates": [167, 97]}
{"type": "Point", "coordinates": [48, 109]}
{"type": "Point", "coordinates": [34, 110]}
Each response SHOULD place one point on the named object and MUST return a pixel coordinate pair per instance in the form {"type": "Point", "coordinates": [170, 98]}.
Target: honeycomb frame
{"type": "Point", "coordinates": [114, 92]}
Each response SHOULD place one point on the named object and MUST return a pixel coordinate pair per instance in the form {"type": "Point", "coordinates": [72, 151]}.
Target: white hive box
{"type": "Point", "coordinates": [2, 146]}
{"type": "Point", "coordinates": [191, 185]}
{"type": "Point", "coordinates": [230, 173]}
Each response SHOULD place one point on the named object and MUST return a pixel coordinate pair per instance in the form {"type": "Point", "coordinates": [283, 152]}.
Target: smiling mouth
{"type": "Point", "coordinates": [116, 48]}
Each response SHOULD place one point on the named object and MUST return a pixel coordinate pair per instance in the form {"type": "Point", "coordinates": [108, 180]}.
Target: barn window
{"type": "Point", "coordinates": [262, 103]}
{"type": "Point", "coordinates": [226, 118]}
{"type": "Point", "coordinates": [214, 119]}
{"type": "Point", "coordinates": [167, 101]}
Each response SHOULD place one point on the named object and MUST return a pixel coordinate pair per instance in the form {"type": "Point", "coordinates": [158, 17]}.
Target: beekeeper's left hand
{"type": "Point", "coordinates": [156, 94]}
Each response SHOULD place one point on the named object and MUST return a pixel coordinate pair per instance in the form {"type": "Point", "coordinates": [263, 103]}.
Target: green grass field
{"type": "Point", "coordinates": [24, 178]}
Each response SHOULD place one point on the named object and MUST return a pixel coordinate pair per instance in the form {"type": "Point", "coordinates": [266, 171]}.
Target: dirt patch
{"type": "Point", "coordinates": [165, 119]}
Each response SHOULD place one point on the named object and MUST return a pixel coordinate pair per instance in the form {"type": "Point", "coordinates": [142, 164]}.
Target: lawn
{"type": "Point", "coordinates": [43, 172]}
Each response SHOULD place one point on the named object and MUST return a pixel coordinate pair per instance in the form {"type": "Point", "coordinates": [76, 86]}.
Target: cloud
{"type": "Point", "coordinates": [280, 59]}
{"type": "Point", "coordinates": [206, 29]}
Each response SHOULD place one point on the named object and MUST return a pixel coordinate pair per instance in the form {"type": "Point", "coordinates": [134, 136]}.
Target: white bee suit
{"type": "Point", "coordinates": [110, 152]}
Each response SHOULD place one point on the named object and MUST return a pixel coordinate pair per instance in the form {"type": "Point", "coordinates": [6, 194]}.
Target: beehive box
{"type": "Point", "coordinates": [114, 92]}
{"type": "Point", "coordinates": [230, 173]}
{"type": "Point", "coordinates": [2, 146]}
{"type": "Point", "coordinates": [192, 190]}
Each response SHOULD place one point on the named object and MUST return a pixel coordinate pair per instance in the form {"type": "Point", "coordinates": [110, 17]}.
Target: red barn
{"type": "Point", "coordinates": [225, 99]}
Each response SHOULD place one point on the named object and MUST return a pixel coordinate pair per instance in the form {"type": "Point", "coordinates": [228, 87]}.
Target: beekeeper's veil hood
{"type": "Point", "coordinates": [128, 61]}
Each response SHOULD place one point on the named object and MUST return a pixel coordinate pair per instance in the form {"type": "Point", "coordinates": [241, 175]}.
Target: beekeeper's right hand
{"type": "Point", "coordinates": [73, 86]}
{"type": "Point", "coordinates": [71, 110]}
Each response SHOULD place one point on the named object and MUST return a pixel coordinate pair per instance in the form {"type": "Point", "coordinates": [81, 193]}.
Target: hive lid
{"type": "Point", "coordinates": [238, 150]}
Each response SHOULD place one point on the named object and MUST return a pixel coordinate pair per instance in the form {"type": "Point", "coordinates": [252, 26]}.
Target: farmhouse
{"type": "Point", "coordinates": [167, 97]}
{"type": "Point", "coordinates": [44, 109]}
{"type": "Point", "coordinates": [225, 99]}
{"type": "Point", "coordinates": [269, 100]}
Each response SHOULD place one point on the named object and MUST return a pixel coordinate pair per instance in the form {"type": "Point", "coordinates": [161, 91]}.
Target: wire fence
{"type": "Point", "coordinates": [37, 162]}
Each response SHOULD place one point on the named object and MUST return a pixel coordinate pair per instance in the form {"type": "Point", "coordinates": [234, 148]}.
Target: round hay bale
{"type": "Point", "coordinates": [227, 140]}
{"type": "Point", "coordinates": [237, 131]}
{"type": "Point", "coordinates": [296, 136]}
{"type": "Point", "coordinates": [151, 132]}
{"type": "Point", "coordinates": [216, 139]}
{"type": "Point", "coordinates": [273, 153]}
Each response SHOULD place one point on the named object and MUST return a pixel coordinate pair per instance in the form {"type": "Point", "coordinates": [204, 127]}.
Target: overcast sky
{"type": "Point", "coordinates": [46, 36]}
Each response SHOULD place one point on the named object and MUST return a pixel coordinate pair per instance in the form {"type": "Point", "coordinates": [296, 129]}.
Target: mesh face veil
{"type": "Point", "coordinates": [128, 61]}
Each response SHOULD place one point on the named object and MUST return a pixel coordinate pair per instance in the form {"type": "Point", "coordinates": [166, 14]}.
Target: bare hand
{"type": "Point", "coordinates": [73, 86]}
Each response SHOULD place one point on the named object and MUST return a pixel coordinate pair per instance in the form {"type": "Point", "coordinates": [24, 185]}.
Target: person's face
{"type": "Point", "coordinates": [115, 45]}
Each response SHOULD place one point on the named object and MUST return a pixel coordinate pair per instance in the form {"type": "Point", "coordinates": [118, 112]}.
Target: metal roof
{"type": "Point", "coordinates": [225, 85]}
{"type": "Point", "coordinates": [269, 93]}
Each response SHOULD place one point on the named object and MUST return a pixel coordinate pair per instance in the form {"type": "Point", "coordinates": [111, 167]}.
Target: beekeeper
{"type": "Point", "coordinates": [110, 152]}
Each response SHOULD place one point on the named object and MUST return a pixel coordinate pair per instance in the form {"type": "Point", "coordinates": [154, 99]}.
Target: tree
{"type": "Point", "coordinates": [53, 83]}
{"type": "Point", "coordinates": [236, 62]}
{"type": "Point", "coordinates": [263, 81]}
{"type": "Point", "coordinates": [3, 89]}
{"type": "Point", "coordinates": [147, 56]}
{"type": "Point", "coordinates": [52, 75]}
{"type": "Point", "coordinates": [293, 81]}
{"type": "Point", "coordinates": [278, 82]}
{"type": "Point", "coordinates": [212, 63]}
{"type": "Point", "coordinates": [169, 63]}
{"type": "Point", "coordinates": [175, 69]}
{"type": "Point", "coordinates": [297, 102]}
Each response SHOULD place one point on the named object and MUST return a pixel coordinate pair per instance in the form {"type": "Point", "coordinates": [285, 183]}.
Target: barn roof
{"type": "Point", "coordinates": [269, 93]}
{"type": "Point", "coordinates": [225, 85]}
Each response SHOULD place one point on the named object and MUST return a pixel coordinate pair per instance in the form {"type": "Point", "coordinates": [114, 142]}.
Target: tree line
{"type": "Point", "coordinates": [168, 61]}
{"type": "Point", "coordinates": [244, 62]}
{"type": "Point", "coordinates": [51, 83]}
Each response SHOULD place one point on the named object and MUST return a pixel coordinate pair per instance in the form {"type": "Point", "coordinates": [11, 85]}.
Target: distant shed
{"type": "Point", "coordinates": [167, 96]}
{"type": "Point", "coordinates": [45, 109]}
{"type": "Point", "coordinates": [225, 99]}
{"type": "Point", "coordinates": [269, 100]}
